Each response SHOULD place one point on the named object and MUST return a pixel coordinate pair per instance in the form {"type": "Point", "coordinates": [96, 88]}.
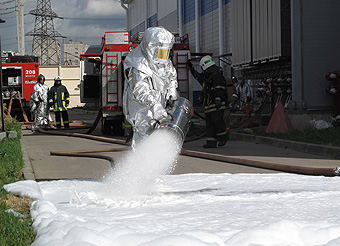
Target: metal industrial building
{"type": "Point", "coordinates": [288, 45]}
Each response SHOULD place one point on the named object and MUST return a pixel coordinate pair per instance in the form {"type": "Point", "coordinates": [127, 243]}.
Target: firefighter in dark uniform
{"type": "Point", "coordinates": [214, 98]}
{"type": "Point", "coordinates": [59, 99]}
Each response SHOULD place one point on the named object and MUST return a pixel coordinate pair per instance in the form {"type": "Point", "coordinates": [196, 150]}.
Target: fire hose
{"type": "Point", "coordinates": [329, 172]}
{"type": "Point", "coordinates": [88, 153]}
{"type": "Point", "coordinates": [179, 124]}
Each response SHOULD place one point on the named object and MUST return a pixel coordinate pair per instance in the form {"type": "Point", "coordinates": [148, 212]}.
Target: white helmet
{"type": "Point", "coordinates": [157, 43]}
{"type": "Point", "coordinates": [57, 78]}
{"type": "Point", "coordinates": [206, 62]}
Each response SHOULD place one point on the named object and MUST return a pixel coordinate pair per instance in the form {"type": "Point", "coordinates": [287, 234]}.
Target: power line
{"type": "Point", "coordinates": [7, 2]}
{"type": "Point", "coordinates": [89, 19]}
{"type": "Point", "coordinates": [9, 8]}
{"type": "Point", "coordinates": [26, 41]}
{"type": "Point", "coordinates": [7, 13]}
{"type": "Point", "coordinates": [8, 38]}
{"type": "Point", "coordinates": [26, 23]}
{"type": "Point", "coordinates": [82, 18]}
{"type": "Point", "coordinates": [11, 17]}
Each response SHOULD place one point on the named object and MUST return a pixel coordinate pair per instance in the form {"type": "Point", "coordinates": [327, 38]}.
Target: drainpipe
{"type": "Point", "coordinates": [297, 52]}
{"type": "Point", "coordinates": [180, 21]}
{"type": "Point", "coordinates": [220, 29]}
{"type": "Point", "coordinates": [146, 14]}
{"type": "Point", "coordinates": [197, 26]}
{"type": "Point", "coordinates": [127, 15]}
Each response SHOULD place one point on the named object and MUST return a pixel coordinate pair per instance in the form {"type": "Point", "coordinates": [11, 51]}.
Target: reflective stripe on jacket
{"type": "Point", "coordinates": [59, 97]}
{"type": "Point", "coordinates": [214, 86]}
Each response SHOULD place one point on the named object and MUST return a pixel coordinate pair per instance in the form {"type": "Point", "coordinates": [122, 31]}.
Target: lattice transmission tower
{"type": "Point", "coordinates": [45, 43]}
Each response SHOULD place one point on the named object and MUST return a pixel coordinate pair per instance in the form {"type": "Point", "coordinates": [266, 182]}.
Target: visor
{"type": "Point", "coordinates": [163, 54]}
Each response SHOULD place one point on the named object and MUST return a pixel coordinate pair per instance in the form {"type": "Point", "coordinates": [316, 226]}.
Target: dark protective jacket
{"type": "Point", "coordinates": [214, 86]}
{"type": "Point", "coordinates": [59, 97]}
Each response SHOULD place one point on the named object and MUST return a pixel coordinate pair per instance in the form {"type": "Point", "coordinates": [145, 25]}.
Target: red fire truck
{"type": "Point", "coordinates": [107, 85]}
{"type": "Point", "coordinates": [19, 74]}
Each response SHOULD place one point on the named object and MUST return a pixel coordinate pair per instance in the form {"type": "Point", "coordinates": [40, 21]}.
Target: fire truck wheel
{"type": "Point", "coordinates": [113, 127]}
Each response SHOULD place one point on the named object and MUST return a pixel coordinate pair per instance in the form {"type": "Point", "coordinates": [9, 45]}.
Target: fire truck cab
{"type": "Point", "coordinates": [20, 73]}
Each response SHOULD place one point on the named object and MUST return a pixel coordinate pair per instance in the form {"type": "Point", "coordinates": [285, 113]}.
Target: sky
{"type": "Point", "coordinates": [84, 20]}
{"type": "Point", "coordinates": [139, 203]}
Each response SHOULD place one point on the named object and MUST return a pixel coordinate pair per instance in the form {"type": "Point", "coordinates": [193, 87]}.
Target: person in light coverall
{"type": "Point", "coordinates": [151, 83]}
{"type": "Point", "coordinates": [59, 99]}
{"type": "Point", "coordinates": [38, 103]}
{"type": "Point", "coordinates": [243, 93]}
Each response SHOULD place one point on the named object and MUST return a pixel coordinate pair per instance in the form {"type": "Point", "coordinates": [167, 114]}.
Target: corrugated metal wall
{"type": "Point", "coordinates": [169, 22]}
{"type": "Point", "coordinates": [136, 13]}
{"type": "Point", "coordinates": [241, 33]}
{"type": "Point", "coordinates": [256, 30]}
{"type": "Point", "coordinates": [228, 37]}
{"type": "Point", "coordinates": [209, 30]}
{"type": "Point", "coordinates": [208, 22]}
{"type": "Point", "coordinates": [208, 27]}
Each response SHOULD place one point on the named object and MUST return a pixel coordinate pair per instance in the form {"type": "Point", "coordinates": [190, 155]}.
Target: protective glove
{"type": "Point", "coordinates": [172, 93]}
{"type": "Point", "coordinates": [170, 102]}
{"type": "Point", "coordinates": [218, 103]}
{"type": "Point", "coordinates": [171, 96]}
{"type": "Point", "coordinates": [159, 116]}
{"type": "Point", "coordinates": [189, 64]}
{"type": "Point", "coordinates": [158, 112]}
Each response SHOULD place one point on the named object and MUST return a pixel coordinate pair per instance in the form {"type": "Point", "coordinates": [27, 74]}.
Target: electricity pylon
{"type": "Point", "coordinates": [45, 43]}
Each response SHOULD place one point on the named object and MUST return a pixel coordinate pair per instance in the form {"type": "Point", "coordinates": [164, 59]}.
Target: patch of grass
{"type": "Point", "coordinates": [329, 136]}
{"type": "Point", "coordinates": [13, 125]}
{"type": "Point", "coordinates": [13, 230]}
{"type": "Point", "coordinates": [12, 163]}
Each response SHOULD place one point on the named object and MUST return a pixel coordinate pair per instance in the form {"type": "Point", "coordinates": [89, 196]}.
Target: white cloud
{"type": "Point", "coordinates": [104, 8]}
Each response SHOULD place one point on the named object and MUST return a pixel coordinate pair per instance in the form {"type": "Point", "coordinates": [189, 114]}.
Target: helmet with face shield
{"type": "Point", "coordinates": [156, 44]}
{"type": "Point", "coordinates": [41, 77]}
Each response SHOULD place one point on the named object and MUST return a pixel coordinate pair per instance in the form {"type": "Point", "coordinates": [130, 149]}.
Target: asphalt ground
{"type": "Point", "coordinates": [40, 165]}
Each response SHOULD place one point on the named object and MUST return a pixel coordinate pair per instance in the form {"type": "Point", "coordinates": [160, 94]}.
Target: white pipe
{"type": "Point", "coordinates": [122, 4]}
{"type": "Point", "coordinates": [20, 27]}
{"type": "Point", "coordinates": [146, 14]}
{"type": "Point", "coordinates": [220, 27]}
{"type": "Point", "coordinates": [197, 26]}
{"type": "Point", "coordinates": [127, 15]}
{"type": "Point", "coordinates": [180, 21]}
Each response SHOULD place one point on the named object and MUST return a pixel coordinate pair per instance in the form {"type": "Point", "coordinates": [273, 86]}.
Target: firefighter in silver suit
{"type": "Point", "coordinates": [151, 83]}
{"type": "Point", "coordinates": [38, 102]}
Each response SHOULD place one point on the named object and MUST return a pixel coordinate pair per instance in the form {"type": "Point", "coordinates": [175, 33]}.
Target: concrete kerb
{"type": "Point", "coordinates": [28, 169]}
{"type": "Point", "coordinates": [329, 151]}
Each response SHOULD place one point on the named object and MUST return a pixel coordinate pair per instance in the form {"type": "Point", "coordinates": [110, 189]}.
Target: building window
{"type": "Point", "coordinates": [208, 6]}
{"type": "Point", "coordinates": [189, 10]}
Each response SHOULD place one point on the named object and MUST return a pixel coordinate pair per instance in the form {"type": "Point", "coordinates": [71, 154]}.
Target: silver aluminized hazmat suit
{"type": "Point", "coordinates": [151, 82]}
{"type": "Point", "coordinates": [38, 103]}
